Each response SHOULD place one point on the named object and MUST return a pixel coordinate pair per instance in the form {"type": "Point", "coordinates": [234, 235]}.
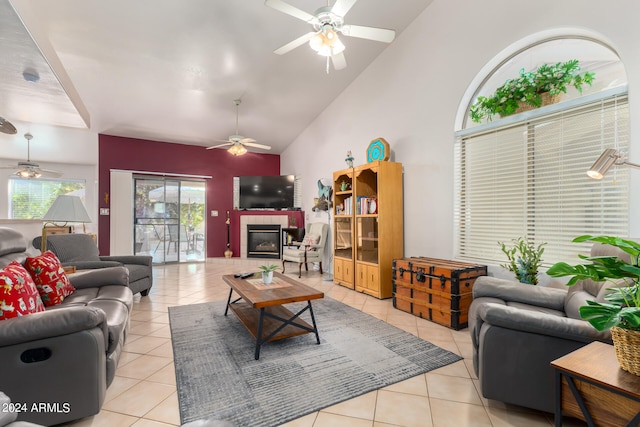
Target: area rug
{"type": "Point", "coordinates": [218, 377]}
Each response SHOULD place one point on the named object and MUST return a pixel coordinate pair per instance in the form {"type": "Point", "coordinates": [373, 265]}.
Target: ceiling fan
{"type": "Point", "coordinates": [237, 143]}
{"type": "Point", "coordinates": [327, 22]}
{"type": "Point", "coordinates": [30, 169]}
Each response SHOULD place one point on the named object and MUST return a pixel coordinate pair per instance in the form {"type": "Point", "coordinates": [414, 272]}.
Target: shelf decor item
{"type": "Point", "coordinates": [621, 312]}
{"type": "Point", "coordinates": [378, 150]}
{"type": "Point", "coordinates": [531, 89]}
{"type": "Point", "coordinates": [349, 159]}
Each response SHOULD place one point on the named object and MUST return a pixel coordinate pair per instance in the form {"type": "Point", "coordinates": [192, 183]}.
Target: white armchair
{"type": "Point", "coordinates": [310, 249]}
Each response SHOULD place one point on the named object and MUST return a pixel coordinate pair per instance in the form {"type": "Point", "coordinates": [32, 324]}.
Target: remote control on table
{"type": "Point", "coordinates": [242, 275]}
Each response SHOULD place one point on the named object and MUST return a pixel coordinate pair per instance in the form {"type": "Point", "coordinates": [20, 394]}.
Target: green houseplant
{"type": "Point", "coordinates": [621, 312]}
{"type": "Point", "coordinates": [529, 88]}
{"type": "Point", "coordinates": [267, 272]}
{"type": "Point", "coordinates": [524, 259]}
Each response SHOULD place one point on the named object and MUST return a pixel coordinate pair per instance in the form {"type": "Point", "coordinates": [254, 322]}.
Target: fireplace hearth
{"type": "Point", "coordinates": [263, 241]}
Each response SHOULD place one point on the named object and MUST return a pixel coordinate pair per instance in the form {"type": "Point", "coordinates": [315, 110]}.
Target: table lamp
{"type": "Point", "coordinates": [64, 209]}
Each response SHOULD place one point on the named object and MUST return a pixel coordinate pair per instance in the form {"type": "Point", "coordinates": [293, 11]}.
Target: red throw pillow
{"type": "Point", "coordinates": [50, 279]}
{"type": "Point", "coordinates": [18, 293]}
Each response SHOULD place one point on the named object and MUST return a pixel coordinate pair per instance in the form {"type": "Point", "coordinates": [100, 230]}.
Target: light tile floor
{"type": "Point", "coordinates": [143, 393]}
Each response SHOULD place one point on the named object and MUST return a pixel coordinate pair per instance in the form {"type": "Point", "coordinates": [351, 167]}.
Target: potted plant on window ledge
{"type": "Point", "coordinates": [524, 259]}
{"type": "Point", "coordinates": [621, 312]}
{"type": "Point", "coordinates": [531, 89]}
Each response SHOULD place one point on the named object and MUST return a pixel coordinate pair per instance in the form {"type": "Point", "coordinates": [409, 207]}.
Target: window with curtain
{"type": "Point", "coordinates": [32, 198]}
{"type": "Point", "coordinates": [525, 175]}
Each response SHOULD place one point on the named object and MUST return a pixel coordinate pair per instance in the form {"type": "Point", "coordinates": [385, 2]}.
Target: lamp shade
{"type": "Point", "coordinates": [608, 158]}
{"type": "Point", "coordinates": [67, 209]}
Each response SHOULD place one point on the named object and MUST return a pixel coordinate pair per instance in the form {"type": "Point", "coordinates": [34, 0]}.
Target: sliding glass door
{"type": "Point", "coordinates": [169, 219]}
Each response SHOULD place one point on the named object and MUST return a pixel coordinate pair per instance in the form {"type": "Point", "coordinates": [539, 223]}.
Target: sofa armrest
{"type": "Point", "coordinates": [130, 259]}
{"type": "Point", "coordinates": [51, 323]}
{"type": "Point", "coordinates": [508, 290]}
{"type": "Point", "coordinates": [100, 277]}
{"type": "Point", "coordinates": [91, 265]}
{"type": "Point", "coordinates": [540, 323]}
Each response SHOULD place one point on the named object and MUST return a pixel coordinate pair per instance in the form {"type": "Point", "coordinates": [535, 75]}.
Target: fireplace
{"type": "Point", "coordinates": [263, 241]}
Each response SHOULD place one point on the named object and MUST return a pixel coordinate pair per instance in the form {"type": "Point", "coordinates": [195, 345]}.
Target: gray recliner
{"type": "Point", "coordinates": [81, 251]}
{"type": "Point", "coordinates": [518, 329]}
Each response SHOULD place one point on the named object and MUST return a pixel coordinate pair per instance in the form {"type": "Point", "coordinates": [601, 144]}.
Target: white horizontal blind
{"type": "Point", "coordinates": [529, 180]}
{"type": "Point", "coordinates": [32, 198]}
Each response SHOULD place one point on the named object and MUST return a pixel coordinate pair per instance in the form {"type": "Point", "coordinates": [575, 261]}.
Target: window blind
{"type": "Point", "coordinates": [32, 198]}
{"type": "Point", "coordinates": [528, 179]}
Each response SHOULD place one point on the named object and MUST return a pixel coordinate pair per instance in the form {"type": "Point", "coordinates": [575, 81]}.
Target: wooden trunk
{"type": "Point", "coordinates": [435, 289]}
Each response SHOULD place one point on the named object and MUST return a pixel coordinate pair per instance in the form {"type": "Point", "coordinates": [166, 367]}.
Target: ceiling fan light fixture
{"type": "Point", "coordinates": [28, 173]}
{"type": "Point", "coordinates": [326, 42]}
{"type": "Point", "coordinates": [237, 149]}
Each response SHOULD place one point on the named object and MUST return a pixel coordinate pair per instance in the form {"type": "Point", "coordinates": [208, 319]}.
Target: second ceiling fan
{"type": "Point", "coordinates": [327, 22]}
{"type": "Point", "coordinates": [237, 143]}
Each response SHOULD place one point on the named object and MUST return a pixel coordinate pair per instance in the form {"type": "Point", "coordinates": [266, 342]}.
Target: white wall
{"type": "Point", "coordinates": [411, 95]}
{"type": "Point", "coordinates": [74, 152]}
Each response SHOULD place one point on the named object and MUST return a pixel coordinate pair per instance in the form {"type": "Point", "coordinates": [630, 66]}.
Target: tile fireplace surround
{"type": "Point", "coordinates": [282, 220]}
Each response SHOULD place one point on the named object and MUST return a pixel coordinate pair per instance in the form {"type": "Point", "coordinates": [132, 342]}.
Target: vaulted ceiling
{"type": "Point", "coordinates": [169, 70]}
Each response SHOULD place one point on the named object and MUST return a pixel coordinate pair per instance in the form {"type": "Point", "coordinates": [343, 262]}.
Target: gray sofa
{"type": "Point", "coordinates": [66, 356]}
{"type": "Point", "coordinates": [81, 251]}
{"type": "Point", "coordinates": [518, 329]}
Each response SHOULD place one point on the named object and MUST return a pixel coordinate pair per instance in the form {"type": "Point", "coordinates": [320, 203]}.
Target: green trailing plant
{"type": "Point", "coordinates": [622, 308]}
{"type": "Point", "coordinates": [528, 88]}
{"type": "Point", "coordinates": [268, 268]}
{"type": "Point", "coordinates": [524, 259]}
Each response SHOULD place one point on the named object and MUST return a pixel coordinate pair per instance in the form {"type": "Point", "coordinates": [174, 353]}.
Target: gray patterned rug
{"type": "Point", "coordinates": [218, 377]}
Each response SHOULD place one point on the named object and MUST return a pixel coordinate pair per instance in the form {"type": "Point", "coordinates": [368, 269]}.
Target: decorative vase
{"type": "Point", "coordinates": [228, 253]}
{"type": "Point", "coordinates": [267, 277]}
{"type": "Point", "coordinates": [627, 345]}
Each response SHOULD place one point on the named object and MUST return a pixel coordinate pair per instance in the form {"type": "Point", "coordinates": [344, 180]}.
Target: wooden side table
{"type": "Point", "coordinates": [591, 386]}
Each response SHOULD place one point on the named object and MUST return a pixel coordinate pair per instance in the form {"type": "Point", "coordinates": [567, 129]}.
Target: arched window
{"type": "Point", "coordinates": [524, 175]}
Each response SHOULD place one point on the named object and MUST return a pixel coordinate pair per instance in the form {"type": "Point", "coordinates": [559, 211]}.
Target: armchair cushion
{"type": "Point", "coordinates": [309, 241]}
{"type": "Point", "coordinates": [49, 277]}
{"type": "Point", "coordinates": [18, 294]}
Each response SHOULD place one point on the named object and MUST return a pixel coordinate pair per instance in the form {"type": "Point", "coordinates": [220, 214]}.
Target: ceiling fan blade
{"type": "Point", "coordinates": [339, 61]}
{"type": "Point", "coordinates": [291, 10]}
{"type": "Point", "coordinates": [221, 145]}
{"type": "Point", "coordinates": [342, 7]}
{"type": "Point", "coordinates": [254, 145]}
{"type": "Point", "coordinates": [246, 140]}
{"type": "Point", "coordinates": [7, 127]}
{"type": "Point", "coordinates": [49, 173]}
{"type": "Point", "coordinates": [294, 44]}
{"type": "Point", "coordinates": [370, 33]}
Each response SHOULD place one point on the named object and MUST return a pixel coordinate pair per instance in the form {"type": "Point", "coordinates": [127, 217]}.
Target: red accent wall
{"type": "Point", "coordinates": [116, 152]}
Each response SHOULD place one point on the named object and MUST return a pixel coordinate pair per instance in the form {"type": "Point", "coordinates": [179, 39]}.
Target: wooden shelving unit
{"type": "Point", "coordinates": [343, 228]}
{"type": "Point", "coordinates": [374, 223]}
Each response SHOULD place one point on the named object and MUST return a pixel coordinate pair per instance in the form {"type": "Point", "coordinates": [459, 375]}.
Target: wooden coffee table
{"type": "Point", "coordinates": [260, 308]}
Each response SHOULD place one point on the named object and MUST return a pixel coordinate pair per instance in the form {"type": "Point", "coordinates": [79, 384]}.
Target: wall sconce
{"type": "Point", "coordinates": [608, 158]}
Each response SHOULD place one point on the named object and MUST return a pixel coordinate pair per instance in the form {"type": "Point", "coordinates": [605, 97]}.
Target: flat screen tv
{"type": "Point", "coordinates": [266, 192]}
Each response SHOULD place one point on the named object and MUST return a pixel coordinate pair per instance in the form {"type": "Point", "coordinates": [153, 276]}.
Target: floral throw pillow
{"type": "Point", "coordinates": [50, 279]}
{"type": "Point", "coordinates": [18, 294]}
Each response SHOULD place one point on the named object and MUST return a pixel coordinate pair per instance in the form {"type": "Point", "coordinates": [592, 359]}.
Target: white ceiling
{"type": "Point", "coordinates": [169, 70]}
